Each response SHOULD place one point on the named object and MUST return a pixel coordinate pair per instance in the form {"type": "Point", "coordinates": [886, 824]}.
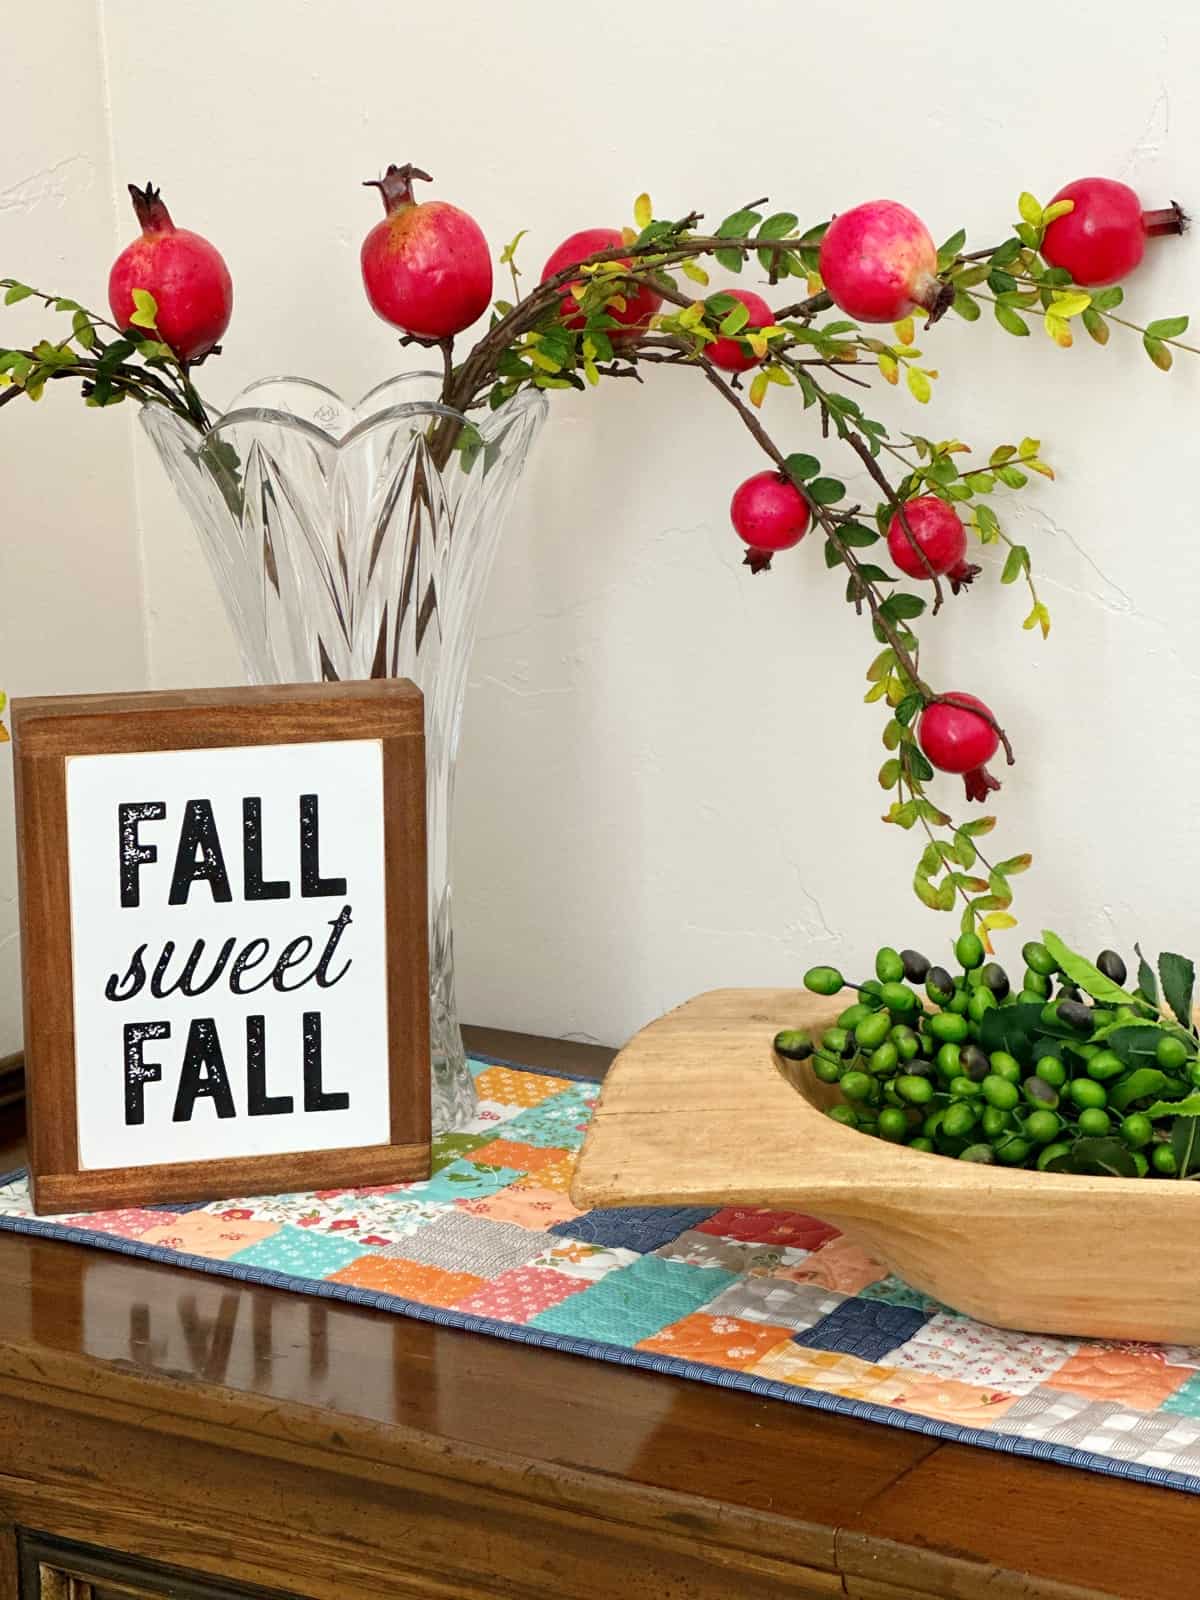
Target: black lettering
{"type": "Point", "coordinates": [339, 925]}
{"type": "Point", "coordinates": [132, 852]}
{"type": "Point", "coordinates": [199, 855]}
{"type": "Point", "coordinates": [252, 856]}
{"type": "Point", "coordinates": [138, 1071]}
{"type": "Point", "coordinates": [185, 984]}
{"type": "Point", "coordinates": [312, 884]}
{"type": "Point", "coordinates": [252, 956]}
{"type": "Point", "coordinates": [132, 983]}
{"type": "Point", "coordinates": [203, 1073]}
{"type": "Point", "coordinates": [316, 1098]}
{"type": "Point", "coordinates": [292, 954]}
{"type": "Point", "coordinates": [259, 1102]}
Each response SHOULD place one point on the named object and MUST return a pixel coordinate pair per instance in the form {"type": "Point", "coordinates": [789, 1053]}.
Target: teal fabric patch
{"type": "Point", "coordinates": [464, 1180]}
{"type": "Point", "coordinates": [635, 1303]}
{"type": "Point", "coordinates": [301, 1250]}
{"type": "Point", "coordinates": [558, 1123]}
{"type": "Point", "coordinates": [1186, 1399]}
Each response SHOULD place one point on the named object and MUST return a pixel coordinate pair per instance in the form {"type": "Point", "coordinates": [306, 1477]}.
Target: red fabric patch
{"type": "Point", "coordinates": [769, 1227]}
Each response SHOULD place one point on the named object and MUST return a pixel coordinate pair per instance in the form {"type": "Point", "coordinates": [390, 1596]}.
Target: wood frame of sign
{"type": "Point", "coordinates": [374, 728]}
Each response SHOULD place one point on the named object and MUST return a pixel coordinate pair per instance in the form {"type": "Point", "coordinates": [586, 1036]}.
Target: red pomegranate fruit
{"type": "Point", "coordinates": [641, 301]}
{"type": "Point", "coordinates": [1104, 238]}
{"type": "Point", "coordinates": [186, 275]}
{"type": "Point", "coordinates": [957, 733]}
{"type": "Point", "coordinates": [727, 353]}
{"type": "Point", "coordinates": [879, 263]}
{"type": "Point", "coordinates": [426, 267]}
{"type": "Point", "coordinates": [940, 542]}
{"type": "Point", "coordinates": [769, 514]}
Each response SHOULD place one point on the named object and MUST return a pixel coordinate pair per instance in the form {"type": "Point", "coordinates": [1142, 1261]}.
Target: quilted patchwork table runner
{"type": "Point", "coordinates": [773, 1302]}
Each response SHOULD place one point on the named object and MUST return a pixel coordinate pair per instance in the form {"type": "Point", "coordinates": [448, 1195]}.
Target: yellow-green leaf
{"type": "Point", "coordinates": [1071, 303]}
{"type": "Point", "coordinates": [1056, 209]}
{"type": "Point", "coordinates": [590, 372]}
{"type": "Point", "coordinates": [1039, 617]}
{"type": "Point", "coordinates": [918, 384]}
{"type": "Point", "coordinates": [905, 331]}
{"type": "Point", "coordinates": [779, 375]}
{"type": "Point", "coordinates": [541, 360]}
{"type": "Point", "coordinates": [998, 920]}
{"type": "Point", "coordinates": [145, 314]}
{"type": "Point", "coordinates": [889, 367]}
{"type": "Point", "coordinates": [643, 211]}
{"type": "Point", "coordinates": [757, 343]}
{"type": "Point", "coordinates": [507, 254]}
{"type": "Point", "coordinates": [694, 271]}
{"type": "Point", "coordinates": [1030, 211]}
{"type": "Point", "coordinates": [758, 388]}
{"type": "Point", "coordinates": [1059, 330]}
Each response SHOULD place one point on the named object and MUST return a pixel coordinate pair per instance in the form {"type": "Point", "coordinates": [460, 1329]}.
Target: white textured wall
{"type": "Point", "coordinates": [667, 773]}
{"type": "Point", "coordinates": [71, 604]}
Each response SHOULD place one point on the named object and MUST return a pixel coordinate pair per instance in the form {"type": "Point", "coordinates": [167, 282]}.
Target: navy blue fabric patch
{"type": "Point", "coordinates": [868, 1329]}
{"type": "Point", "coordinates": [641, 1228]}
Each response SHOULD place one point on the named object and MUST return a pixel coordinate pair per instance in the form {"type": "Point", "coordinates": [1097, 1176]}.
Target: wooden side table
{"type": "Point", "coordinates": [163, 1433]}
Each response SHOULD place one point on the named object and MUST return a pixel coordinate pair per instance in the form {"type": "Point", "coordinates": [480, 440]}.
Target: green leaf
{"type": "Point", "coordinates": [1082, 973]}
{"type": "Point", "coordinates": [1136, 1043]}
{"type": "Point", "coordinates": [1159, 353]}
{"type": "Point", "coordinates": [1016, 565]}
{"type": "Point", "coordinates": [145, 314]}
{"type": "Point", "coordinates": [1108, 1156]}
{"type": "Point", "coordinates": [1178, 981]}
{"type": "Point", "coordinates": [735, 319]}
{"type": "Point", "coordinates": [1108, 299]}
{"type": "Point", "coordinates": [1012, 477]}
{"type": "Point", "coordinates": [85, 334]}
{"type": "Point", "coordinates": [1185, 1142]}
{"type": "Point", "coordinates": [826, 491]}
{"type": "Point", "coordinates": [1030, 211]}
{"type": "Point", "coordinates": [833, 556]}
{"type": "Point", "coordinates": [1141, 1084]}
{"type": "Point", "coordinates": [918, 384]}
{"type": "Point", "coordinates": [15, 292]}
{"type": "Point", "coordinates": [889, 774]}
{"type": "Point", "coordinates": [905, 712]}
{"type": "Point", "coordinates": [1147, 982]}
{"type": "Point", "coordinates": [739, 223]}
{"type": "Point", "coordinates": [1005, 254]}
{"type": "Point", "coordinates": [1011, 1028]}
{"type": "Point", "coordinates": [966, 308]}
{"type": "Point", "coordinates": [1095, 325]}
{"type": "Point", "coordinates": [731, 260]}
{"type": "Point", "coordinates": [1167, 327]}
{"type": "Point", "coordinates": [948, 251]}
{"type": "Point", "coordinates": [801, 467]}
{"type": "Point", "coordinates": [1011, 321]}
{"type": "Point", "coordinates": [918, 765]}
{"type": "Point", "coordinates": [778, 226]}
{"type": "Point", "coordinates": [900, 607]}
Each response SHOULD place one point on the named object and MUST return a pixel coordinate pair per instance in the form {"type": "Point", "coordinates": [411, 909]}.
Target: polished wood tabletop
{"type": "Point", "coordinates": [482, 1468]}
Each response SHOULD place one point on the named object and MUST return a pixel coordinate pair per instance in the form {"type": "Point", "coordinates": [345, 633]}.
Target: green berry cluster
{"type": "Point", "coordinates": [1072, 1072]}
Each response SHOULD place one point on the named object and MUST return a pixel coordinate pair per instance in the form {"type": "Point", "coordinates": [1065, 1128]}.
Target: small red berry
{"type": "Point", "coordinates": [769, 514]}
{"type": "Point", "coordinates": [726, 352]}
{"type": "Point", "coordinates": [879, 263]}
{"type": "Point", "coordinates": [957, 734]}
{"type": "Point", "coordinates": [940, 538]}
{"type": "Point", "coordinates": [1104, 237]}
{"type": "Point", "coordinates": [641, 301]}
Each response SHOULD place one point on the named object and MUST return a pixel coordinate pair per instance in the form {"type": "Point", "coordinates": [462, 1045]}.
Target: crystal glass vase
{"type": "Point", "coordinates": [355, 542]}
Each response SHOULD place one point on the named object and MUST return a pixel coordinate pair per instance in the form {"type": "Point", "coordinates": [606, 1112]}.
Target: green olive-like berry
{"type": "Point", "coordinates": [932, 1124]}
{"type": "Point", "coordinates": [889, 968]}
{"type": "Point", "coordinates": [981, 1153]}
{"type": "Point", "coordinates": [1000, 1093]}
{"type": "Point", "coordinates": [871, 989]}
{"type": "Point", "coordinates": [1036, 983]}
{"type": "Point", "coordinates": [1094, 1122]}
{"type": "Point", "coordinates": [1005, 1066]}
{"type": "Point", "coordinates": [1162, 1159]}
{"type": "Point", "coordinates": [916, 966]}
{"type": "Point", "coordinates": [824, 980]}
{"type": "Point", "coordinates": [885, 1059]}
{"type": "Point", "coordinates": [893, 1125]}
{"type": "Point", "coordinates": [947, 1060]}
{"type": "Point", "coordinates": [1051, 1070]}
{"type": "Point", "coordinates": [1013, 1152]}
{"type": "Point", "coordinates": [898, 997]}
{"type": "Point", "coordinates": [917, 1091]}
{"type": "Point", "coordinates": [973, 1062]}
{"type": "Point", "coordinates": [921, 1143]}
{"type": "Point", "coordinates": [835, 1040]}
{"type": "Point", "coordinates": [1170, 1052]}
{"type": "Point", "coordinates": [827, 1071]}
{"type": "Point", "coordinates": [1028, 998]}
{"type": "Point", "coordinates": [1038, 958]}
{"type": "Point", "coordinates": [794, 1043]}
{"type": "Point", "coordinates": [1136, 1129]}
{"type": "Point", "coordinates": [980, 1003]}
{"type": "Point", "coordinates": [856, 1085]}
{"type": "Point", "coordinates": [1087, 1094]}
{"type": "Point", "coordinates": [843, 1114]}
{"type": "Point", "coordinates": [958, 1119]}
{"type": "Point", "coordinates": [1113, 968]}
{"type": "Point", "coordinates": [958, 1002]}
{"type": "Point", "coordinates": [906, 1041]}
{"type": "Point", "coordinates": [963, 1089]}
{"type": "Point", "coordinates": [1042, 1126]}
{"type": "Point", "coordinates": [1077, 1016]}
{"type": "Point", "coordinates": [873, 1030]}
{"type": "Point", "coordinates": [1105, 1064]}
{"type": "Point", "coordinates": [969, 951]}
{"type": "Point", "coordinates": [993, 1122]}
{"type": "Point", "coordinates": [948, 1027]}
{"type": "Point", "coordinates": [1040, 1094]}
{"type": "Point", "coordinates": [853, 1015]}
{"type": "Point", "coordinates": [1052, 1152]}
{"type": "Point", "coordinates": [939, 985]}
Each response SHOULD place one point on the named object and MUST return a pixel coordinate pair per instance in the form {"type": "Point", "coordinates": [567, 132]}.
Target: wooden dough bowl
{"type": "Point", "coordinates": [696, 1111]}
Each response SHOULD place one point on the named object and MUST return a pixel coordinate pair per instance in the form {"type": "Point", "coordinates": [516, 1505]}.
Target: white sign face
{"type": "Point", "coordinates": [230, 952]}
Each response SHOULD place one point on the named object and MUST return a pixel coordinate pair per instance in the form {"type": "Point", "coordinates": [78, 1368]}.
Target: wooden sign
{"type": "Point", "coordinates": [223, 918]}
